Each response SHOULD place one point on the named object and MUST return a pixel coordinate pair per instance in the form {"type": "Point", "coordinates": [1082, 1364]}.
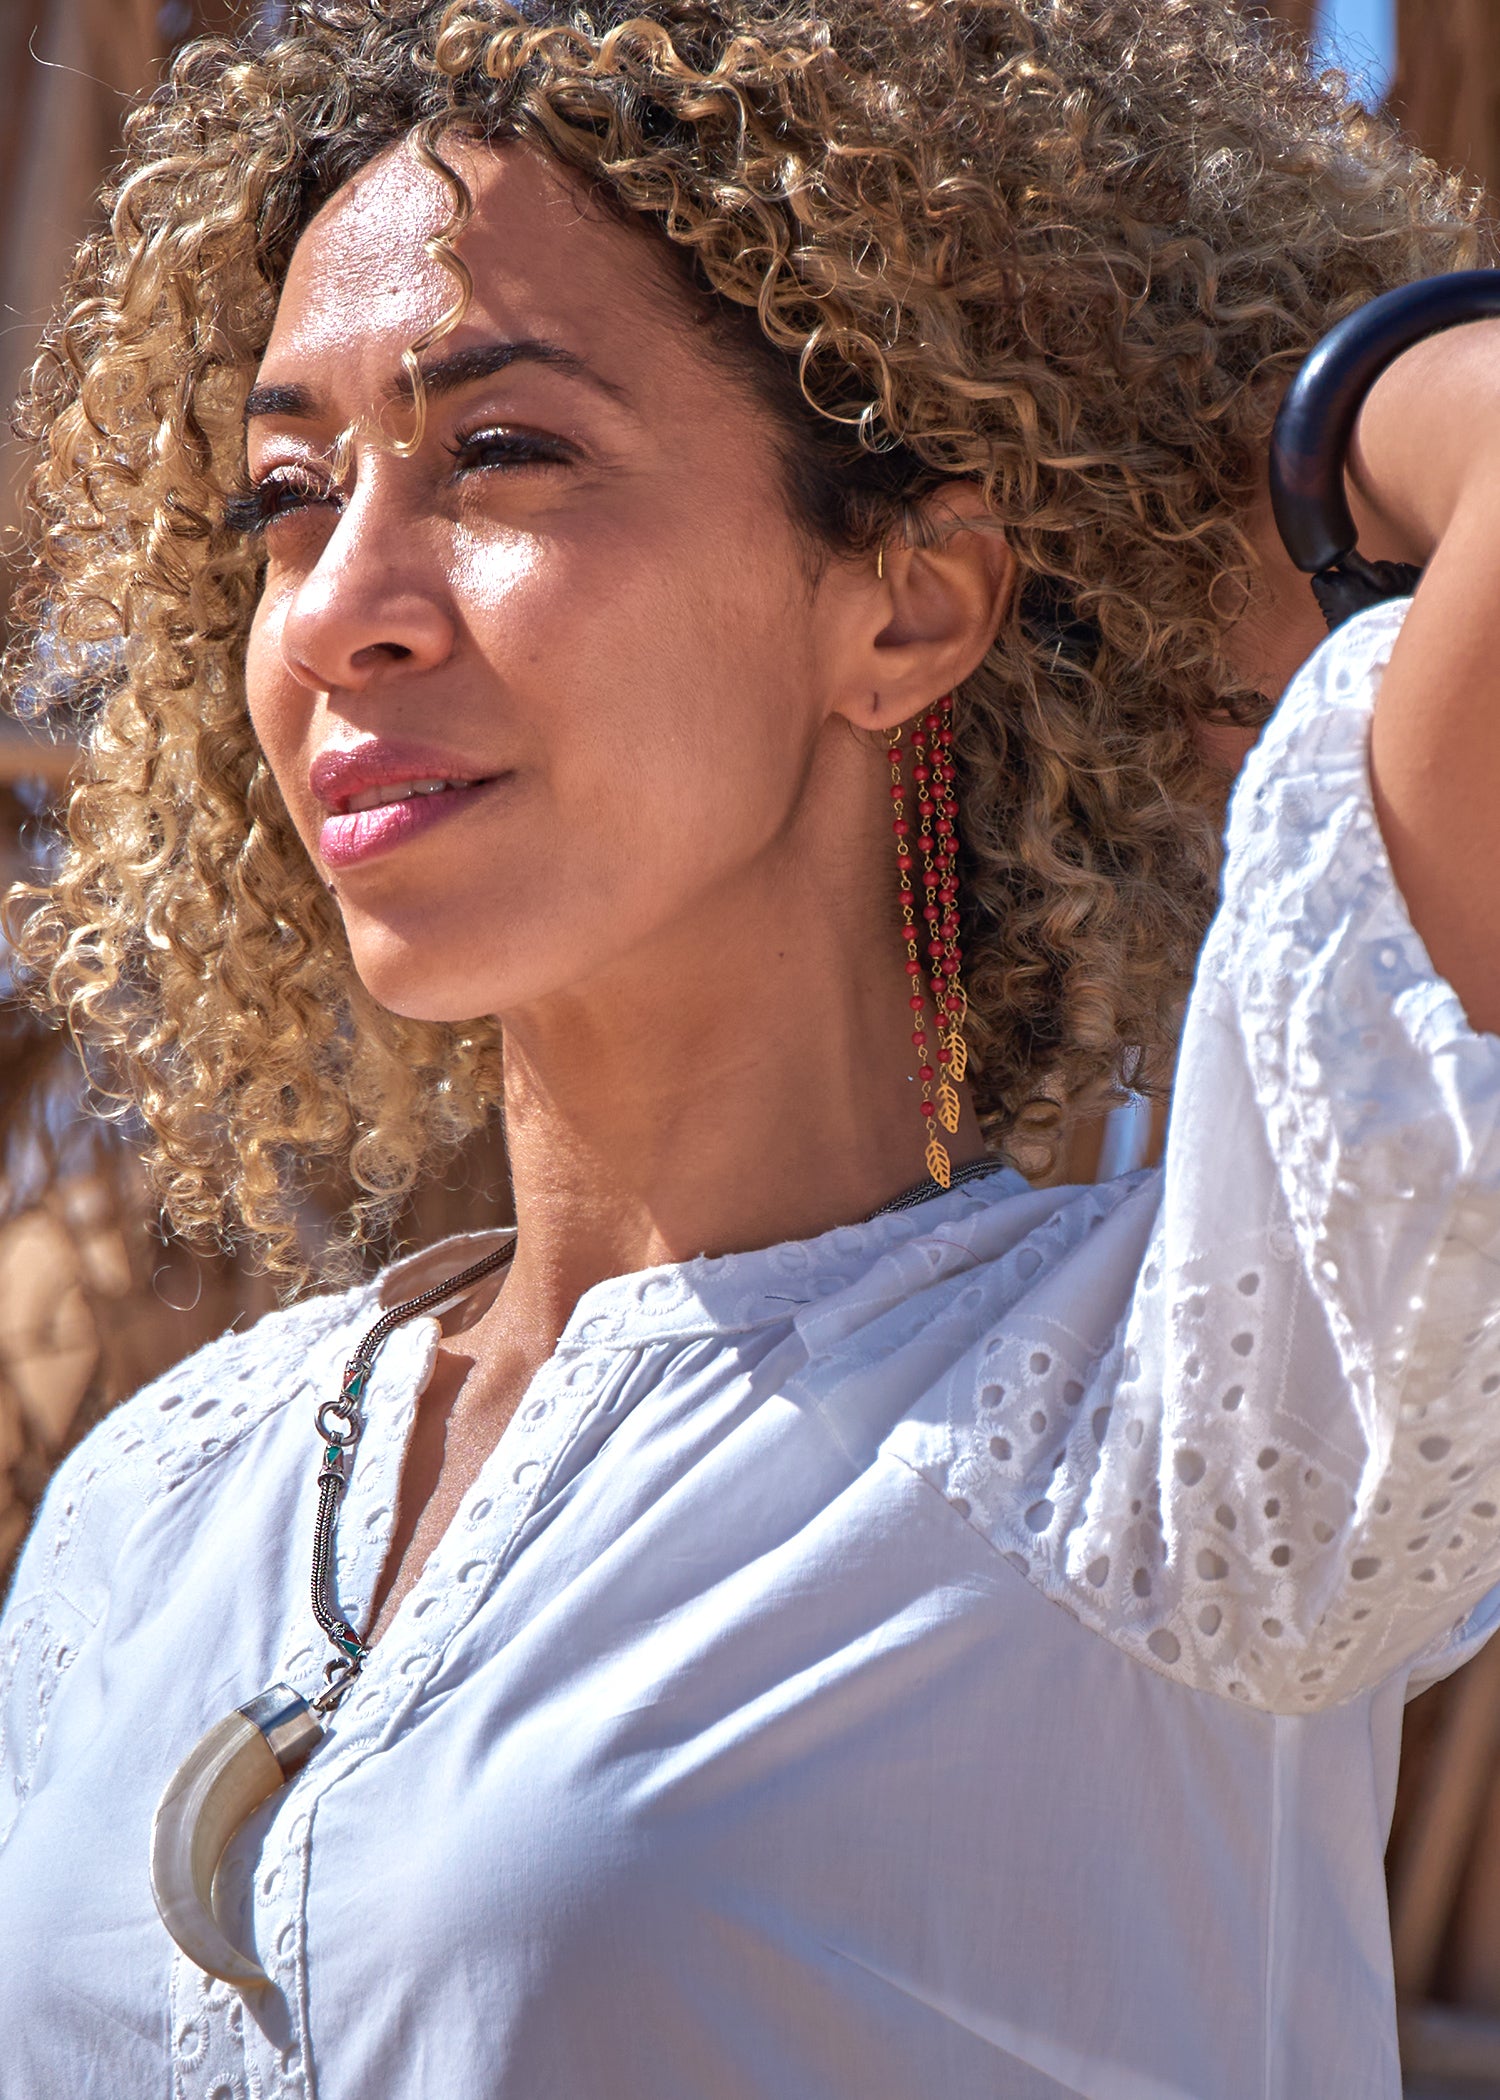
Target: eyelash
{"type": "Point", "coordinates": [285, 491]}
{"type": "Point", "coordinates": [250, 510]}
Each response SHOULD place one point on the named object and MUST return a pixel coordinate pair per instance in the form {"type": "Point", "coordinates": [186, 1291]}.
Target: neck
{"type": "Point", "coordinates": [769, 1100]}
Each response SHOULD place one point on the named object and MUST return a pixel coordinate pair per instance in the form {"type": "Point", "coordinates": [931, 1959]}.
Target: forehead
{"type": "Point", "coordinates": [545, 260]}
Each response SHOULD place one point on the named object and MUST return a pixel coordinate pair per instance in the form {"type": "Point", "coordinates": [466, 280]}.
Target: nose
{"type": "Point", "coordinates": [376, 600]}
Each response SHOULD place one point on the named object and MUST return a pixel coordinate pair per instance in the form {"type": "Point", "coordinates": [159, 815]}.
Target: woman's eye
{"type": "Point", "coordinates": [510, 448]}
{"type": "Point", "coordinates": [252, 510]}
{"type": "Point", "coordinates": [282, 494]}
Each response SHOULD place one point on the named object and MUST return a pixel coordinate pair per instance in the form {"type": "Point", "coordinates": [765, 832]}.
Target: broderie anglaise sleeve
{"type": "Point", "coordinates": [1271, 1467]}
{"type": "Point", "coordinates": [1309, 1381]}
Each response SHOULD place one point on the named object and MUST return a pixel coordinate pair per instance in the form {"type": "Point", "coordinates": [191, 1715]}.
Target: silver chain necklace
{"type": "Point", "coordinates": [245, 1758]}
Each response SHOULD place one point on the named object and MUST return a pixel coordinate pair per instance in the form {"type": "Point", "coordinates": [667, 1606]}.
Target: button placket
{"type": "Point", "coordinates": [453, 1585]}
{"type": "Point", "coordinates": [274, 2037]}
{"type": "Point", "coordinates": [207, 2028]}
{"type": "Point", "coordinates": [471, 1556]}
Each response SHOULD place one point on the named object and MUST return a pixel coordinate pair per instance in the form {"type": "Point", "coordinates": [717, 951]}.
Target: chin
{"type": "Point", "coordinates": [427, 980]}
{"type": "Point", "coordinates": [441, 1008]}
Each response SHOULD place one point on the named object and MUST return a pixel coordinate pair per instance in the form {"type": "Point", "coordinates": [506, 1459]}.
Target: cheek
{"type": "Point", "coordinates": [678, 720]}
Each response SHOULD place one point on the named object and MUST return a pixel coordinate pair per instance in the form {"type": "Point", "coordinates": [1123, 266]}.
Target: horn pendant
{"type": "Point", "coordinates": [224, 1778]}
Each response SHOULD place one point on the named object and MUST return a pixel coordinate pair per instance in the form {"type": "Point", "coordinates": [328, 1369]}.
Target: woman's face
{"type": "Point", "coordinates": [557, 693]}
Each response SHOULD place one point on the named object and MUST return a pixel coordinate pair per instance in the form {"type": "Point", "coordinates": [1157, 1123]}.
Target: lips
{"type": "Point", "coordinates": [381, 794]}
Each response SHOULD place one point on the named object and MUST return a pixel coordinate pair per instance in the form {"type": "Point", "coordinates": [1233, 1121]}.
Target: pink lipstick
{"type": "Point", "coordinates": [381, 794]}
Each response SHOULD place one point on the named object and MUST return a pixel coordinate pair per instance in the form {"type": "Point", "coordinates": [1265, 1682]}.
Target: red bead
{"type": "Point", "coordinates": [901, 827]}
{"type": "Point", "coordinates": [943, 1054]}
{"type": "Point", "coordinates": [921, 772]}
{"type": "Point", "coordinates": [913, 967]}
{"type": "Point", "coordinates": [924, 806]}
{"type": "Point", "coordinates": [916, 1004]}
{"type": "Point", "coordinates": [926, 1074]}
{"type": "Point", "coordinates": [929, 911]}
{"type": "Point", "coordinates": [904, 863]}
{"type": "Point", "coordinates": [919, 1038]}
{"type": "Point", "coordinates": [897, 791]}
{"type": "Point", "coordinates": [934, 947]}
{"type": "Point", "coordinates": [928, 1109]}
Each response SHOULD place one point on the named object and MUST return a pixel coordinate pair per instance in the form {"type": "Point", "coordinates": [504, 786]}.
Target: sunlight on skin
{"type": "Point", "coordinates": [1427, 460]}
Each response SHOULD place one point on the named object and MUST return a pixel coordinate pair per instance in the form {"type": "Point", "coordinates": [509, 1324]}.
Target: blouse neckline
{"type": "Point", "coordinates": [715, 1294]}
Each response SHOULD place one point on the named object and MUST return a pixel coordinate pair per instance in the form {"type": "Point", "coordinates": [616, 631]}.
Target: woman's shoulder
{"type": "Point", "coordinates": [229, 1386]}
{"type": "Point", "coordinates": [180, 1421]}
{"type": "Point", "coordinates": [208, 1404]}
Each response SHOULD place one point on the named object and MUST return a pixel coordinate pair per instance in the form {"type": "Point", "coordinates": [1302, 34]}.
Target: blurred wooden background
{"type": "Point", "coordinates": [94, 1300]}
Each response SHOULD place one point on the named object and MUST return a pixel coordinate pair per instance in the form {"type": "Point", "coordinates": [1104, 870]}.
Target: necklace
{"type": "Point", "coordinates": [249, 1755]}
{"type": "Point", "coordinates": [254, 1751]}
{"type": "Point", "coordinates": [924, 1191]}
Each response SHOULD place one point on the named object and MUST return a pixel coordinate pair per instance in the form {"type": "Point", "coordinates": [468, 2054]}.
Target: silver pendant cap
{"type": "Point", "coordinates": [291, 1729]}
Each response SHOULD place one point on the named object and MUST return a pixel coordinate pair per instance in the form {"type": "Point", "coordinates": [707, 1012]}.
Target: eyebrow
{"type": "Point", "coordinates": [444, 375]}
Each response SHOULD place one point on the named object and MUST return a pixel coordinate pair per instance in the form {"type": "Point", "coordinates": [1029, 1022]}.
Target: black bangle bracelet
{"type": "Point", "coordinates": [1316, 423]}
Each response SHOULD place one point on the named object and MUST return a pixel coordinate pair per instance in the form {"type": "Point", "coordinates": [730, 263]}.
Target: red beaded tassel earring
{"type": "Point", "coordinates": [933, 963]}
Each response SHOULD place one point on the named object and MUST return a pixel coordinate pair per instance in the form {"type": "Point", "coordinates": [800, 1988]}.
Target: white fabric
{"type": "Point", "coordinates": [961, 1654]}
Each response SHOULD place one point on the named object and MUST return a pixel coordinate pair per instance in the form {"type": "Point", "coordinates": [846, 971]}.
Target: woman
{"type": "Point", "coordinates": [828, 1618]}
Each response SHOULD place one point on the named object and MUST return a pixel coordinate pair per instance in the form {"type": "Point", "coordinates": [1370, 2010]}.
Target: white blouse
{"type": "Point", "coordinates": [959, 1655]}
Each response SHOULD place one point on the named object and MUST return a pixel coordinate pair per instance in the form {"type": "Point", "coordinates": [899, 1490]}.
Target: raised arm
{"type": "Point", "coordinates": [1279, 1478]}
{"type": "Point", "coordinates": [1426, 463]}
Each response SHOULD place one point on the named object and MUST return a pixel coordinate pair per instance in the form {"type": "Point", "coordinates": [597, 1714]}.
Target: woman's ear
{"type": "Point", "coordinates": [932, 605]}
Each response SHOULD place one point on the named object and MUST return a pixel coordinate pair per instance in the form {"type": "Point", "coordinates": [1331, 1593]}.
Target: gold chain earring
{"type": "Point", "coordinates": [938, 979]}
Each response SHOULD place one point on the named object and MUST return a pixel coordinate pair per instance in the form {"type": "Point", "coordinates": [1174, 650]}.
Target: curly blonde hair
{"type": "Point", "coordinates": [1070, 249]}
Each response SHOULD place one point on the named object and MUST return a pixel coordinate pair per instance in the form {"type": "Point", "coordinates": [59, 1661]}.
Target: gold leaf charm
{"type": "Point", "coordinates": [947, 1108]}
{"type": "Point", "coordinates": [958, 1059]}
{"type": "Point", "coordinates": [938, 1164]}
